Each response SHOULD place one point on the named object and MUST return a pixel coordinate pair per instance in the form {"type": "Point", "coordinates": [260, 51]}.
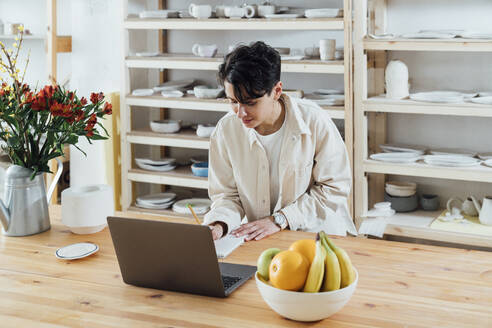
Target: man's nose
{"type": "Point", "coordinates": [241, 111]}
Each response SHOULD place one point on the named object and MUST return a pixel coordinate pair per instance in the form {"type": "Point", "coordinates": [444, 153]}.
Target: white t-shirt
{"type": "Point", "coordinates": [273, 144]}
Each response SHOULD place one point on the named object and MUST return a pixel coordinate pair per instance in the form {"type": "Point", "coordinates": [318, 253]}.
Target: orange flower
{"type": "Point", "coordinates": [108, 109]}
{"type": "Point", "coordinates": [97, 97]}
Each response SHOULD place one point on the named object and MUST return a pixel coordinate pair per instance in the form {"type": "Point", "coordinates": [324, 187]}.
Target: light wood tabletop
{"type": "Point", "coordinates": [400, 285]}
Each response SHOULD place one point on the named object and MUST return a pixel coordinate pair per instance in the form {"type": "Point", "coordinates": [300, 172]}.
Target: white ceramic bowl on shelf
{"type": "Point", "coordinates": [201, 92]}
{"type": "Point", "coordinates": [165, 126]}
{"type": "Point", "coordinates": [205, 130]}
{"type": "Point", "coordinates": [400, 188]}
{"type": "Point", "coordinates": [305, 306]}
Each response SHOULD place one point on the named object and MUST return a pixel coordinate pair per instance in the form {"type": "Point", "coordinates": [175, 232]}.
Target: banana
{"type": "Point", "coordinates": [333, 274]}
{"type": "Point", "coordinates": [317, 269]}
{"type": "Point", "coordinates": [348, 273]}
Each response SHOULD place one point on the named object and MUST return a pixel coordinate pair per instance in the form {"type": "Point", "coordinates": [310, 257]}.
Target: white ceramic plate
{"type": "Point", "coordinates": [147, 54]}
{"type": "Point", "coordinates": [150, 206]}
{"type": "Point", "coordinates": [398, 157]}
{"type": "Point", "coordinates": [142, 92]}
{"type": "Point", "coordinates": [451, 160]}
{"type": "Point", "coordinates": [156, 168]}
{"type": "Point", "coordinates": [163, 161]}
{"type": "Point", "coordinates": [391, 148]}
{"type": "Point", "coordinates": [162, 197]}
{"type": "Point", "coordinates": [328, 92]}
{"type": "Point", "coordinates": [475, 35]}
{"type": "Point", "coordinates": [76, 251]}
{"type": "Point", "coordinates": [485, 156]}
{"type": "Point", "coordinates": [200, 205]}
{"type": "Point", "coordinates": [482, 100]}
{"type": "Point", "coordinates": [402, 185]}
{"type": "Point", "coordinates": [174, 85]}
{"type": "Point", "coordinates": [488, 163]}
{"type": "Point", "coordinates": [283, 16]}
{"type": "Point", "coordinates": [172, 94]}
{"type": "Point", "coordinates": [428, 35]}
{"type": "Point", "coordinates": [438, 96]}
{"type": "Point", "coordinates": [289, 57]}
{"type": "Point", "coordinates": [446, 31]}
{"type": "Point", "coordinates": [485, 94]}
{"type": "Point", "coordinates": [323, 13]}
{"type": "Point", "coordinates": [452, 152]}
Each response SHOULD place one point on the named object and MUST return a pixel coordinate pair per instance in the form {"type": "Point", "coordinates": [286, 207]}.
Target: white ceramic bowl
{"type": "Point", "coordinates": [305, 306]}
{"type": "Point", "coordinates": [205, 130]}
{"type": "Point", "coordinates": [400, 188]}
{"type": "Point", "coordinates": [165, 126]}
{"type": "Point", "coordinates": [202, 92]}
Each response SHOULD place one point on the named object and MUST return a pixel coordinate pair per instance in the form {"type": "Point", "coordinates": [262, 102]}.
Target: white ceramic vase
{"type": "Point", "coordinates": [396, 77]}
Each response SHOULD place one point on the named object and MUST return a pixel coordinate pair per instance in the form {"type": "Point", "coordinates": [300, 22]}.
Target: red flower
{"type": "Point", "coordinates": [108, 109]}
{"type": "Point", "coordinates": [79, 115]}
{"type": "Point", "coordinates": [83, 101]}
{"type": "Point", "coordinates": [61, 110]}
{"type": "Point", "coordinates": [97, 97]}
{"type": "Point", "coordinates": [90, 125]}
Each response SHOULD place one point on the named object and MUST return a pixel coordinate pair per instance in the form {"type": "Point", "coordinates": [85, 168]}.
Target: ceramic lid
{"type": "Point", "coordinates": [76, 251]}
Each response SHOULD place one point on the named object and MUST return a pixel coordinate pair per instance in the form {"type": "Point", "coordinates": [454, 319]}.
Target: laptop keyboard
{"type": "Point", "coordinates": [229, 281]}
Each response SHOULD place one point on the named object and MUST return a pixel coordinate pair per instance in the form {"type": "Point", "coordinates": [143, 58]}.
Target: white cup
{"type": "Point", "coordinates": [239, 12]}
{"type": "Point", "coordinates": [312, 52]}
{"type": "Point", "coordinates": [255, 9]}
{"type": "Point", "coordinates": [266, 10]}
{"type": "Point", "coordinates": [200, 11]}
{"type": "Point", "coordinates": [204, 50]}
{"type": "Point", "coordinates": [220, 11]}
{"type": "Point", "coordinates": [327, 49]}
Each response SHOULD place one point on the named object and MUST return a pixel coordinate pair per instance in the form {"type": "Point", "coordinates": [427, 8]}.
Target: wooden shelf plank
{"type": "Point", "coordinates": [191, 62]}
{"type": "Point", "coordinates": [417, 225]}
{"type": "Point", "coordinates": [168, 213]}
{"type": "Point", "coordinates": [477, 173]}
{"type": "Point", "coordinates": [234, 24]}
{"type": "Point", "coordinates": [217, 105]}
{"type": "Point", "coordinates": [457, 44]}
{"type": "Point", "coordinates": [184, 139]}
{"type": "Point", "coordinates": [26, 36]}
{"type": "Point", "coordinates": [380, 104]}
{"type": "Point", "coordinates": [181, 176]}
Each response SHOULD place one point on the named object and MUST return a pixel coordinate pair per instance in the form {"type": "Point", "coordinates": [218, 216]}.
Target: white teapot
{"type": "Point", "coordinates": [484, 210]}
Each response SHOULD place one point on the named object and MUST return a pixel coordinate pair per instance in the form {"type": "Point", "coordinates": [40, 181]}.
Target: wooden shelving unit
{"type": "Point", "coordinates": [167, 61]}
{"type": "Point", "coordinates": [370, 121]}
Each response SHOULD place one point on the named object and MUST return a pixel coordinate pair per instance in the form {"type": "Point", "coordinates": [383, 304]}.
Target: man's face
{"type": "Point", "coordinates": [255, 112]}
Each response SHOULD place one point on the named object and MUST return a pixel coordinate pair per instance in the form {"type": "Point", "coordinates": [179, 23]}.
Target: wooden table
{"type": "Point", "coordinates": [400, 285]}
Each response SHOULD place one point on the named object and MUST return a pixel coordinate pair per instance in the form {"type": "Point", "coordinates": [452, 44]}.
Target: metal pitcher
{"type": "Point", "coordinates": [25, 210]}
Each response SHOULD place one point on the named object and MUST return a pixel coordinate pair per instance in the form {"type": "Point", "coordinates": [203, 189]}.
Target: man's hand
{"type": "Point", "coordinates": [257, 229]}
{"type": "Point", "coordinates": [217, 230]}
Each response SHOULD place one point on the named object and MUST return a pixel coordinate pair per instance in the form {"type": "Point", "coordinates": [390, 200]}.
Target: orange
{"type": "Point", "coordinates": [289, 270]}
{"type": "Point", "coordinates": [306, 247]}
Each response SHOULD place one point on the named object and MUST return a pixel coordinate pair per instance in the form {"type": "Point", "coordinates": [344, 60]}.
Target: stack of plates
{"type": "Point", "coordinates": [323, 13]}
{"type": "Point", "coordinates": [158, 201]}
{"type": "Point", "coordinates": [326, 99]}
{"type": "Point", "coordinates": [439, 96]}
{"type": "Point", "coordinates": [174, 85]}
{"type": "Point", "coordinates": [396, 157]}
{"type": "Point", "coordinates": [451, 160]}
{"type": "Point", "coordinates": [393, 148]}
{"type": "Point", "coordinates": [400, 188]}
{"type": "Point", "coordinates": [429, 35]}
{"type": "Point", "coordinates": [163, 165]}
{"type": "Point", "coordinates": [200, 205]}
{"type": "Point", "coordinates": [452, 151]}
{"type": "Point", "coordinates": [142, 92]}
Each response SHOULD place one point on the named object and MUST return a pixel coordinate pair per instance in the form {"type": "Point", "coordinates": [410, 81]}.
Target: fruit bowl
{"type": "Point", "coordinates": [301, 306]}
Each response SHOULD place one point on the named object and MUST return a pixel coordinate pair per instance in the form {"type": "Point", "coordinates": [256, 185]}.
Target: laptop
{"type": "Point", "coordinates": [173, 256]}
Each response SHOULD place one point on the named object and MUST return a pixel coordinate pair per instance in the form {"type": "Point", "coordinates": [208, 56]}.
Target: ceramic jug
{"type": "Point", "coordinates": [484, 210]}
{"type": "Point", "coordinates": [24, 210]}
{"type": "Point", "coordinates": [467, 207]}
{"type": "Point", "coordinates": [396, 79]}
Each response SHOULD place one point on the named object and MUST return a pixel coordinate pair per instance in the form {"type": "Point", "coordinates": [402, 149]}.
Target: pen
{"type": "Point", "coordinates": [194, 214]}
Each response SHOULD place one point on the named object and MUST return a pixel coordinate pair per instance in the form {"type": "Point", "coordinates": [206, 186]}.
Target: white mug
{"type": "Point", "coordinates": [200, 11]}
{"type": "Point", "coordinates": [204, 50]}
{"type": "Point", "coordinates": [220, 11]}
{"type": "Point", "coordinates": [396, 80]}
{"type": "Point", "coordinates": [239, 12]}
{"type": "Point", "coordinates": [255, 9]}
{"type": "Point", "coordinates": [327, 49]}
{"type": "Point", "coordinates": [266, 10]}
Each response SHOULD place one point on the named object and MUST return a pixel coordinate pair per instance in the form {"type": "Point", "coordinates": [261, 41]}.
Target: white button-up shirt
{"type": "Point", "coordinates": [314, 173]}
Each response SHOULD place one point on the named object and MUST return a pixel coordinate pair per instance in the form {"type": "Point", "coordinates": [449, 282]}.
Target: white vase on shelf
{"type": "Point", "coordinates": [396, 78]}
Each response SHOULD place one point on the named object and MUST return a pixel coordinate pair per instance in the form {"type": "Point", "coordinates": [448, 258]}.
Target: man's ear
{"type": "Point", "coordinates": [277, 90]}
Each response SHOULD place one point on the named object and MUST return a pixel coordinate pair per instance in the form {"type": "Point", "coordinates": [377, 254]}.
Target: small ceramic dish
{"type": "Point", "coordinates": [323, 13]}
{"type": "Point", "coordinates": [205, 130]}
{"type": "Point", "coordinates": [200, 169]}
{"type": "Point", "coordinates": [172, 94]}
{"type": "Point", "coordinates": [147, 54]}
{"type": "Point", "coordinates": [200, 205]}
{"type": "Point", "coordinates": [157, 198]}
{"type": "Point", "coordinates": [201, 92]}
{"type": "Point", "coordinates": [142, 92]}
{"type": "Point", "coordinates": [165, 126]}
{"type": "Point", "coordinates": [400, 189]}
{"type": "Point", "coordinates": [398, 157]}
{"type": "Point", "coordinates": [394, 148]}
{"type": "Point", "coordinates": [76, 251]}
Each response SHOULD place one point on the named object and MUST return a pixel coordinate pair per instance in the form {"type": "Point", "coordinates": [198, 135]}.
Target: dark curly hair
{"type": "Point", "coordinates": [252, 70]}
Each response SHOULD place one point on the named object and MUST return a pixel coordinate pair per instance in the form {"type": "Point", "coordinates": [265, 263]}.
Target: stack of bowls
{"type": "Point", "coordinates": [401, 195]}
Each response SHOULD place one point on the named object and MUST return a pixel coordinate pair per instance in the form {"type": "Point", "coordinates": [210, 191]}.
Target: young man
{"type": "Point", "coordinates": [277, 160]}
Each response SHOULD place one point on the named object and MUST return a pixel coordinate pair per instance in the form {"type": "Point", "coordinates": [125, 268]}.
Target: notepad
{"type": "Point", "coordinates": [224, 246]}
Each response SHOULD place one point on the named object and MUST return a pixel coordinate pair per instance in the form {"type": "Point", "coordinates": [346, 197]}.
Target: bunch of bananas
{"type": "Point", "coordinates": [331, 268]}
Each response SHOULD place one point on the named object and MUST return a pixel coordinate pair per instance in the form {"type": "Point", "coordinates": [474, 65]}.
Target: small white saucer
{"type": "Point", "coordinates": [76, 251]}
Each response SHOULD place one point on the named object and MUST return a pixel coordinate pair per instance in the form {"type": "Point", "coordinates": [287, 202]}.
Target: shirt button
{"type": "Point", "coordinates": [264, 201]}
{"type": "Point", "coordinates": [293, 138]}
